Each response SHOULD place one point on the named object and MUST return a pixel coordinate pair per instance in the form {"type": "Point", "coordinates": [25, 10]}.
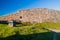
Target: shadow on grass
{"type": "Point", "coordinates": [58, 36]}
{"type": "Point", "coordinates": [36, 36]}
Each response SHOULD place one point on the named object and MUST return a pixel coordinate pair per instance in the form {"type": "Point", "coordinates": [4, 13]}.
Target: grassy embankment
{"type": "Point", "coordinates": [28, 31]}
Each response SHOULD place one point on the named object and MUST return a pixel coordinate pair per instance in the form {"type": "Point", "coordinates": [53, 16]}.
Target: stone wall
{"type": "Point", "coordinates": [34, 15]}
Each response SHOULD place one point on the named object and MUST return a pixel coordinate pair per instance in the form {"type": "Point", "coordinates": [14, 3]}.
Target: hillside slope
{"type": "Point", "coordinates": [34, 15]}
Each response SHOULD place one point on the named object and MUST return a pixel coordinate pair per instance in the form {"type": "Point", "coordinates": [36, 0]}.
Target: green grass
{"type": "Point", "coordinates": [3, 25]}
{"type": "Point", "coordinates": [27, 32]}
{"type": "Point", "coordinates": [51, 25]}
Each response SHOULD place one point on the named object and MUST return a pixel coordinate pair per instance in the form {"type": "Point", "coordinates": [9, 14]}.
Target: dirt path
{"type": "Point", "coordinates": [54, 30]}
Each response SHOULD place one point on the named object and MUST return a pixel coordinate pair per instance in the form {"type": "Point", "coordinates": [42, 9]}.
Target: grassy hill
{"type": "Point", "coordinates": [28, 31]}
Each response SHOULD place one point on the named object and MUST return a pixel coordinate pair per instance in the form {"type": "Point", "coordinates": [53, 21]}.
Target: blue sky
{"type": "Point", "coordinates": [10, 6]}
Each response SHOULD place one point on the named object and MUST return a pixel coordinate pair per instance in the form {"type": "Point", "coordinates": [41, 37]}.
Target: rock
{"type": "Point", "coordinates": [34, 15]}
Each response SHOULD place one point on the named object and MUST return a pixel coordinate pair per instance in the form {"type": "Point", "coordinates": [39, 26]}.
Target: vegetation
{"type": "Point", "coordinates": [28, 31]}
{"type": "Point", "coordinates": [51, 25]}
{"type": "Point", "coordinates": [58, 36]}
